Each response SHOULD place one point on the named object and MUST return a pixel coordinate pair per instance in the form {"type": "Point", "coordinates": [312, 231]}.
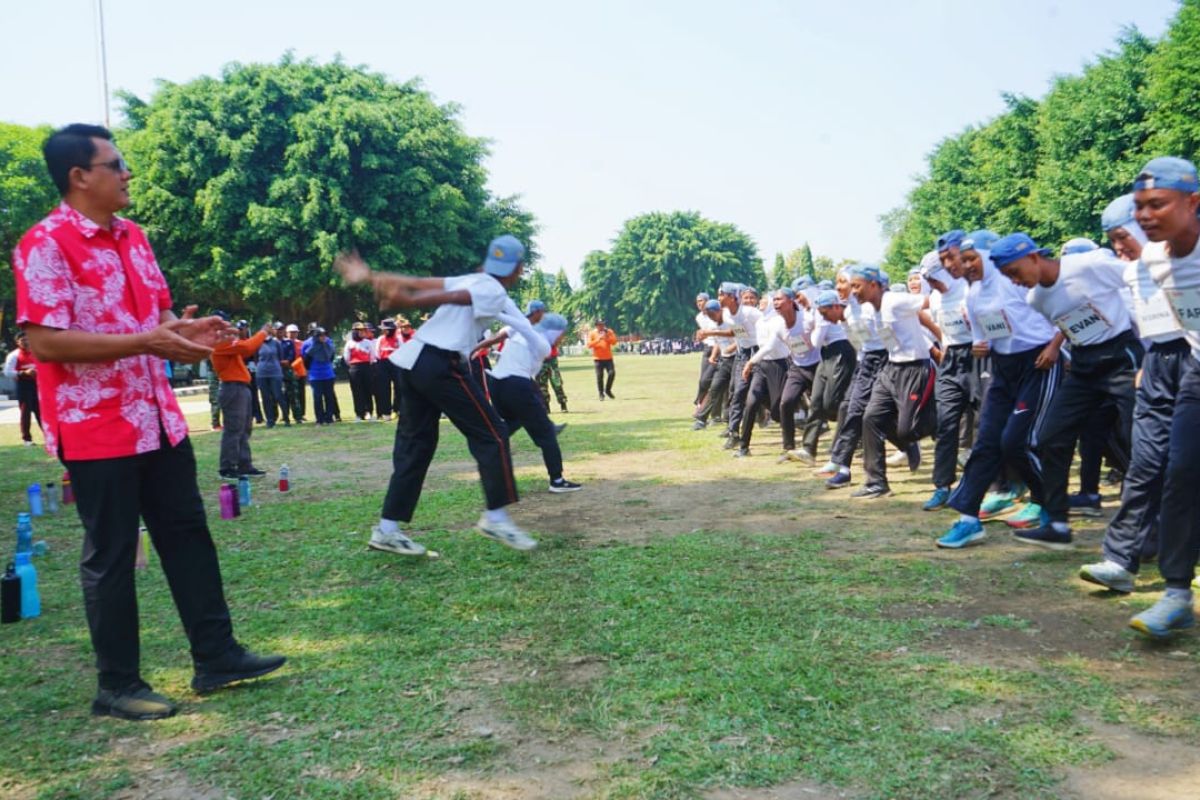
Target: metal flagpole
{"type": "Point", "coordinates": [103, 60]}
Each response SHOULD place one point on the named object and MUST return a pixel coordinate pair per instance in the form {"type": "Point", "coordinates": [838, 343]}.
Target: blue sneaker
{"type": "Point", "coordinates": [997, 504]}
{"type": "Point", "coordinates": [1031, 516]}
{"type": "Point", "coordinates": [1046, 536]}
{"type": "Point", "coordinates": [1167, 615]}
{"type": "Point", "coordinates": [962, 533]}
{"type": "Point", "coordinates": [938, 499]}
{"type": "Point", "coordinates": [1087, 505]}
{"type": "Point", "coordinates": [838, 481]}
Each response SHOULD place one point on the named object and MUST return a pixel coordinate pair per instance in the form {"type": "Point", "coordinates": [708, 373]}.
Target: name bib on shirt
{"type": "Point", "coordinates": [740, 331]}
{"type": "Point", "coordinates": [888, 337]}
{"type": "Point", "coordinates": [1084, 325]}
{"type": "Point", "coordinates": [1186, 305]}
{"type": "Point", "coordinates": [798, 346]}
{"type": "Point", "coordinates": [954, 324]}
{"type": "Point", "coordinates": [995, 325]}
{"type": "Point", "coordinates": [1155, 316]}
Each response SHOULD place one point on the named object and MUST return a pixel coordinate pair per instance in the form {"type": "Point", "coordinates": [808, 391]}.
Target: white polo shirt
{"type": "Point", "coordinates": [772, 339]}
{"type": "Point", "coordinates": [862, 327]}
{"type": "Point", "coordinates": [1180, 281]}
{"type": "Point", "coordinates": [949, 311]}
{"type": "Point", "coordinates": [900, 329]}
{"type": "Point", "coordinates": [744, 325]}
{"type": "Point", "coordinates": [522, 355]}
{"type": "Point", "coordinates": [1085, 303]}
{"type": "Point", "coordinates": [1000, 316]}
{"type": "Point", "coordinates": [458, 328]}
{"type": "Point", "coordinates": [1155, 317]}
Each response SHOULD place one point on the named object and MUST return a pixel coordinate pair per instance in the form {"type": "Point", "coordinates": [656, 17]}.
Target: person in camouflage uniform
{"type": "Point", "coordinates": [214, 390]}
{"type": "Point", "coordinates": [548, 376]}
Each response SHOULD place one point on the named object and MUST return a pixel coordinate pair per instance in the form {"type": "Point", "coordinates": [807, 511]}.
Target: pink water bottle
{"type": "Point", "coordinates": [227, 501]}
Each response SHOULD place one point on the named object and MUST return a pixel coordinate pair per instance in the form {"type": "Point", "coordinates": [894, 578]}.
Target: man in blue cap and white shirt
{"type": "Point", "coordinates": [1081, 295]}
{"type": "Point", "coordinates": [1166, 200]}
{"type": "Point", "coordinates": [435, 381]}
{"type": "Point", "coordinates": [720, 356]}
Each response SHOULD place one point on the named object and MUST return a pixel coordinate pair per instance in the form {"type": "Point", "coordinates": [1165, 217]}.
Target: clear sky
{"type": "Point", "coordinates": [796, 121]}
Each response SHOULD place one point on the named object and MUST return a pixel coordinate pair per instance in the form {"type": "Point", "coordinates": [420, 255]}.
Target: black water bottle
{"type": "Point", "coordinates": [10, 595]}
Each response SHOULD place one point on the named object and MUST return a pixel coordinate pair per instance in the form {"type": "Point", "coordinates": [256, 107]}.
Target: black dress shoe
{"type": "Point", "coordinates": [231, 475]}
{"type": "Point", "coordinates": [252, 472]}
{"type": "Point", "coordinates": [238, 664]}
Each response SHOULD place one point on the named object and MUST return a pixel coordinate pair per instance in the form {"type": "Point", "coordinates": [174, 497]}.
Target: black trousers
{"type": "Point", "coordinates": [255, 406]}
{"type": "Point", "coordinates": [1179, 528]}
{"type": "Point", "coordinates": [27, 399]}
{"type": "Point", "coordinates": [1134, 530]}
{"type": "Point", "coordinates": [953, 392]}
{"type": "Point", "coordinates": [901, 409]}
{"type": "Point", "coordinates": [830, 384]}
{"type": "Point", "coordinates": [764, 390]}
{"type": "Point", "coordinates": [437, 384]}
{"type": "Point", "coordinates": [1101, 375]}
{"type": "Point", "coordinates": [1018, 398]}
{"type": "Point", "coordinates": [360, 389]}
{"type": "Point", "coordinates": [798, 381]}
{"type": "Point", "coordinates": [718, 390]}
{"type": "Point", "coordinates": [519, 403]}
{"type": "Point", "coordinates": [707, 371]}
{"type": "Point", "coordinates": [604, 366]}
{"type": "Point", "coordinates": [739, 386]}
{"type": "Point", "coordinates": [159, 487]}
{"type": "Point", "coordinates": [850, 428]}
{"type": "Point", "coordinates": [385, 379]}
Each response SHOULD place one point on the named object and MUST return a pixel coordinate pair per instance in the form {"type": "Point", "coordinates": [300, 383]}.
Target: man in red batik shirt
{"type": "Point", "coordinates": [97, 311]}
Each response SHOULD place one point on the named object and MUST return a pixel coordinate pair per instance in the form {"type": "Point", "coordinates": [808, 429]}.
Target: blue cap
{"type": "Point", "coordinates": [712, 305]}
{"type": "Point", "coordinates": [790, 294]}
{"type": "Point", "coordinates": [1013, 247]}
{"type": "Point", "coordinates": [1118, 213]}
{"type": "Point", "coordinates": [503, 255]}
{"type": "Point", "coordinates": [534, 306]}
{"type": "Point", "coordinates": [1079, 245]}
{"type": "Point", "coordinates": [829, 298]}
{"type": "Point", "coordinates": [982, 239]}
{"type": "Point", "coordinates": [802, 283]}
{"type": "Point", "coordinates": [552, 322]}
{"type": "Point", "coordinates": [731, 288]}
{"type": "Point", "coordinates": [825, 284]}
{"type": "Point", "coordinates": [868, 272]}
{"type": "Point", "coordinates": [702, 296]}
{"type": "Point", "coordinates": [1168, 172]}
{"type": "Point", "coordinates": [950, 239]}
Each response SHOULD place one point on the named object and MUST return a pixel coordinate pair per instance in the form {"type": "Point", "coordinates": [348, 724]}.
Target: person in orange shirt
{"type": "Point", "coordinates": [600, 341]}
{"type": "Point", "coordinates": [234, 398]}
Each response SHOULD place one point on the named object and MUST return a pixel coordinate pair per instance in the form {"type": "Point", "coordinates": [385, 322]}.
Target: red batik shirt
{"type": "Point", "coordinates": [74, 275]}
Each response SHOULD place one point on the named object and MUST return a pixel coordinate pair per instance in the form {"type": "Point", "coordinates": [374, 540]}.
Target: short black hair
{"type": "Point", "coordinates": [71, 147]}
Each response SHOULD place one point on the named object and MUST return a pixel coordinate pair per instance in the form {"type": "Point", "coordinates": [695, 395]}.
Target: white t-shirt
{"type": "Point", "coordinates": [1085, 302]}
{"type": "Point", "coordinates": [862, 327]}
{"type": "Point", "coordinates": [1155, 317]}
{"type": "Point", "coordinates": [522, 355]}
{"type": "Point", "coordinates": [804, 352]}
{"type": "Point", "coordinates": [900, 328]}
{"type": "Point", "coordinates": [826, 332]}
{"type": "Point", "coordinates": [772, 339]}
{"type": "Point", "coordinates": [744, 325]}
{"type": "Point", "coordinates": [949, 311]}
{"type": "Point", "coordinates": [1180, 281]}
{"type": "Point", "coordinates": [1000, 316]}
{"type": "Point", "coordinates": [458, 328]}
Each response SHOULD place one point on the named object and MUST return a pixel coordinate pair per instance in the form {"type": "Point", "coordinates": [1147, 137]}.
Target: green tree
{"type": "Point", "coordinates": [806, 266]}
{"type": "Point", "coordinates": [1173, 88]}
{"type": "Point", "coordinates": [647, 283]}
{"type": "Point", "coordinates": [250, 184]}
{"type": "Point", "coordinates": [561, 293]}
{"type": "Point", "coordinates": [26, 195]}
{"type": "Point", "coordinates": [780, 276]}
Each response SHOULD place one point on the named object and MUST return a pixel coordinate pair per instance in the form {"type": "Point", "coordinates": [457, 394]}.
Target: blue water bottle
{"type": "Point", "coordinates": [24, 532]}
{"type": "Point", "coordinates": [35, 500]}
{"type": "Point", "coordinates": [31, 601]}
{"type": "Point", "coordinates": [244, 491]}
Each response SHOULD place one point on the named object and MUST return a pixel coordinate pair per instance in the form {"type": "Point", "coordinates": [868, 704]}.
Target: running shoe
{"type": "Point", "coordinates": [1086, 505]}
{"type": "Point", "coordinates": [1031, 516]}
{"type": "Point", "coordinates": [1046, 536]}
{"type": "Point", "coordinates": [829, 470]}
{"type": "Point", "coordinates": [997, 504]}
{"type": "Point", "coordinates": [558, 429]}
{"type": "Point", "coordinates": [1108, 574]}
{"type": "Point", "coordinates": [742, 452]}
{"type": "Point", "coordinates": [872, 492]}
{"type": "Point", "coordinates": [699, 425]}
{"type": "Point", "coordinates": [506, 533]}
{"type": "Point", "coordinates": [961, 534]}
{"type": "Point", "coordinates": [897, 458]}
{"type": "Point", "coordinates": [838, 480]}
{"type": "Point", "coordinates": [395, 542]}
{"type": "Point", "coordinates": [562, 486]}
{"type": "Point", "coordinates": [937, 500]}
{"type": "Point", "coordinates": [1169, 614]}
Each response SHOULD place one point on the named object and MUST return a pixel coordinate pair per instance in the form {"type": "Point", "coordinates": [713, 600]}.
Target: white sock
{"type": "Point", "coordinates": [1061, 527]}
{"type": "Point", "coordinates": [496, 515]}
{"type": "Point", "coordinates": [389, 526]}
{"type": "Point", "coordinates": [1179, 594]}
{"type": "Point", "coordinates": [968, 518]}
{"type": "Point", "coordinates": [843, 470]}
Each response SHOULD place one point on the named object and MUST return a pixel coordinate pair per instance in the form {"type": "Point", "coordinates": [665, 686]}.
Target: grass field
{"type": "Point", "coordinates": [691, 626]}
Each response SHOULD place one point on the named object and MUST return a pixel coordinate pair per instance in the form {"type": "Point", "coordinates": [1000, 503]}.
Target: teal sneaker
{"type": "Point", "coordinates": [962, 533]}
{"type": "Point", "coordinates": [1169, 614]}
{"type": "Point", "coordinates": [997, 504]}
{"type": "Point", "coordinates": [1031, 516]}
{"type": "Point", "coordinates": [937, 500]}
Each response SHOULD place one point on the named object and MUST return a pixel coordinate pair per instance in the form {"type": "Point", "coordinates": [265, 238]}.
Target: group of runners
{"type": "Point", "coordinates": [1013, 361]}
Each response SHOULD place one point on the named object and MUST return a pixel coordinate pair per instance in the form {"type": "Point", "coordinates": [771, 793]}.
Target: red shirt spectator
{"type": "Point", "coordinates": [72, 274]}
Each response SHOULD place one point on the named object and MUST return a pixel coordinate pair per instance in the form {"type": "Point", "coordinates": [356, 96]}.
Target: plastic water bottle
{"type": "Point", "coordinates": [10, 595]}
{"type": "Point", "coordinates": [35, 500]}
{"type": "Point", "coordinates": [227, 500]}
{"type": "Point", "coordinates": [24, 533]}
{"type": "Point", "coordinates": [68, 493]}
{"type": "Point", "coordinates": [243, 492]}
{"type": "Point", "coordinates": [52, 497]}
{"type": "Point", "coordinates": [31, 601]}
{"type": "Point", "coordinates": [283, 478]}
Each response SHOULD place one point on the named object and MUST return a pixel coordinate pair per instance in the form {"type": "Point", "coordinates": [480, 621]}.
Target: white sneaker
{"type": "Point", "coordinates": [897, 458]}
{"type": "Point", "coordinates": [1108, 574]}
{"type": "Point", "coordinates": [394, 543]}
{"type": "Point", "coordinates": [506, 533]}
{"type": "Point", "coordinates": [803, 456]}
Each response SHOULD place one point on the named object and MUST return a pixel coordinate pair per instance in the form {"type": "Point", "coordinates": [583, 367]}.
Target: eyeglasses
{"type": "Point", "coordinates": [117, 165]}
